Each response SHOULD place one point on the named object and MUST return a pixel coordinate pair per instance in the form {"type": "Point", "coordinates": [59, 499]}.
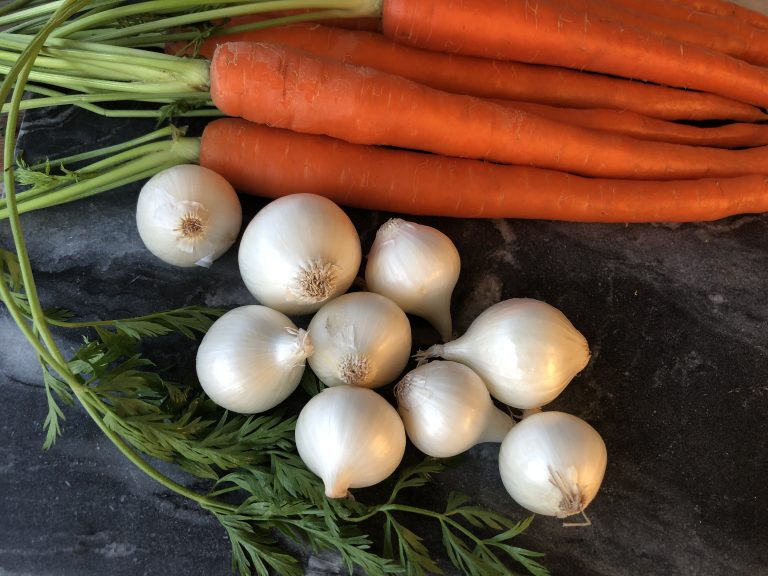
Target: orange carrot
{"type": "Point", "coordinates": [728, 9]}
{"type": "Point", "coordinates": [272, 162]}
{"type": "Point", "coordinates": [286, 88]}
{"type": "Point", "coordinates": [755, 51]}
{"type": "Point", "coordinates": [547, 33]}
{"type": "Point", "coordinates": [754, 39]}
{"type": "Point", "coordinates": [733, 135]}
{"type": "Point", "coordinates": [493, 78]}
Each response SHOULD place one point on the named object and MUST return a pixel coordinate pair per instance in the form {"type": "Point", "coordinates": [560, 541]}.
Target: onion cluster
{"type": "Point", "coordinates": [299, 256]}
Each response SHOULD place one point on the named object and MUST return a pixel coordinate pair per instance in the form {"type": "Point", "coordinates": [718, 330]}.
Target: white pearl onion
{"type": "Point", "coordinates": [417, 267]}
{"type": "Point", "coordinates": [446, 409]}
{"type": "Point", "coordinates": [299, 252]}
{"type": "Point", "coordinates": [188, 215]}
{"type": "Point", "coordinates": [360, 339]}
{"type": "Point", "coordinates": [553, 463]}
{"type": "Point", "coordinates": [525, 350]}
{"type": "Point", "coordinates": [350, 437]}
{"type": "Point", "coordinates": [251, 359]}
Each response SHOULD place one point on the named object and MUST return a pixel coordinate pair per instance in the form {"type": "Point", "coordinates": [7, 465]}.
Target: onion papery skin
{"type": "Point", "coordinates": [553, 463]}
{"type": "Point", "coordinates": [360, 339]}
{"type": "Point", "coordinates": [299, 252]}
{"type": "Point", "coordinates": [251, 359]}
{"type": "Point", "coordinates": [350, 437]}
{"type": "Point", "coordinates": [188, 215]}
{"type": "Point", "coordinates": [446, 409]}
{"type": "Point", "coordinates": [525, 350]}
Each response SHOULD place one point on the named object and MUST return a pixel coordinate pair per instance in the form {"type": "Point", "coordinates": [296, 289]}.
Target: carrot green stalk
{"type": "Point", "coordinates": [178, 13]}
{"type": "Point", "coordinates": [179, 105]}
{"type": "Point", "coordinates": [90, 67]}
{"type": "Point", "coordinates": [286, 88]}
{"type": "Point", "coordinates": [120, 165]}
{"type": "Point", "coordinates": [628, 123]}
{"type": "Point", "coordinates": [492, 78]}
{"type": "Point", "coordinates": [273, 162]}
{"type": "Point", "coordinates": [545, 32]}
{"type": "Point", "coordinates": [262, 20]}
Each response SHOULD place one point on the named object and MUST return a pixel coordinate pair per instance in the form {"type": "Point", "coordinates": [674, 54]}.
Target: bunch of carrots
{"type": "Point", "coordinates": [580, 110]}
{"type": "Point", "coordinates": [584, 110]}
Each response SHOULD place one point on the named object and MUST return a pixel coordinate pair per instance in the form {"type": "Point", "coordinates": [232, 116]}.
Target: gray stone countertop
{"type": "Point", "coordinates": [676, 317]}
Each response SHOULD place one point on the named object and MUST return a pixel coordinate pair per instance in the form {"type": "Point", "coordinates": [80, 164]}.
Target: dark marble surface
{"type": "Point", "coordinates": [677, 320]}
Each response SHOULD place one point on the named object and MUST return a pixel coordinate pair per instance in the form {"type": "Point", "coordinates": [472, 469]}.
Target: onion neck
{"type": "Point", "coordinates": [438, 314]}
{"type": "Point", "coordinates": [497, 426]}
{"type": "Point", "coordinates": [435, 351]}
{"type": "Point", "coordinates": [337, 487]}
{"type": "Point", "coordinates": [303, 345]}
{"type": "Point", "coordinates": [531, 411]}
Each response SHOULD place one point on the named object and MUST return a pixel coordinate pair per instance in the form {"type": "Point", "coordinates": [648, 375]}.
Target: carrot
{"type": "Point", "coordinates": [273, 162]}
{"type": "Point", "coordinates": [755, 51]}
{"type": "Point", "coordinates": [754, 39]}
{"type": "Point", "coordinates": [286, 88]}
{"type": "Point", "coordinates": [729, 9]}
{"type": "Point", "coordinates": [546, 33]}
{"type": "Point", "coordinates": [733, 135]}
{"type": "Point", "coordinates": [493, 78]}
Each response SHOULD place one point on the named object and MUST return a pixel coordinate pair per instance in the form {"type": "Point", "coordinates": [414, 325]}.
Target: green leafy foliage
{"type": "Point", "coordinates": [54, 388]}
{"type": "Point", "coordinates": [187, 321]}
{"type": "Point", "coordinates": [260, 491]}
{"type": "Point", "coordinates": [476, 540]}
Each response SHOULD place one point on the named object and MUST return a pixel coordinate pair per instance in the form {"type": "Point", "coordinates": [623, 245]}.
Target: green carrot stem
{"type": "Point", "coordinates": [84, 99]}
{"type": "Point", "coordinates": [43, 10]}
{"type": "Point", "coordinates": [88, 67]}
{"type": "Point", "coordinates": [96, 411]}
{"type": "Point", "coordinates": [13, 84]}
{"type": "Point", "coordinates": [110, 69]}
{"type": "Point", "coordinates": [445, 519]}
{"type": "Point", "coordinates": [165, 132]}
{"type": "Point", "coordinates": [162, 38]}
{"type": "Point", "coordinates": [89, 84]}
{"type": "Point", "coordinates": [44, 184]}
{"type": "Point", "coordinates": [178, 151]}
{"type": "Point", "coordinates": [203, 105]}
{"type": "Point", "coordinates": [93, 50]}
{"type": "Point", "coordinates": [132, 35]}
{"type": "Point", "coordinates": [28, 331]}
{"type": "Point", "coordinates": [13, 6]}
{"type": "Point", "coordinates": [47, 349]}
{"type": "Point", "coordinates": [346, 8]}
{"type": "Point", "coordinates": [104, 66]}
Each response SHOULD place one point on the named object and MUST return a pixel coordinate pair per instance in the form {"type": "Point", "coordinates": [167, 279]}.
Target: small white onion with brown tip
{"type": "Point", "coordinates": [251, 359]}
{"type": "Point", "coordinates": [525, 350]}
{"type": "Point", "coordinates": [188, 215]}
{"type": "Point", "coordinates": [350, 437]}
{"type": "Point", "coordinates": [360, 339]}
{"type": "Point", "coordinates": [417, 267]}
{"type": "Point", "coordinates": [553, 463]}
{"type": "Point", "coordinates": [446, 409]}
{"type": "Point", "coordinates": [299, 252]}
